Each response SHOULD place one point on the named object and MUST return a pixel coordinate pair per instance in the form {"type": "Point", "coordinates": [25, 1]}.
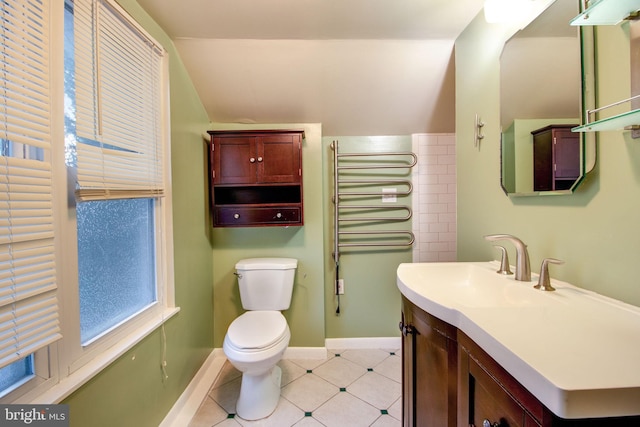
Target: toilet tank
{"type": "Point", "coordinates": [266, 283]}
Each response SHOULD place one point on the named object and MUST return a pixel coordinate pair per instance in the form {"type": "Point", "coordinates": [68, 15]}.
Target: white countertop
{"type": "Point", "coordinates": [576, 351]}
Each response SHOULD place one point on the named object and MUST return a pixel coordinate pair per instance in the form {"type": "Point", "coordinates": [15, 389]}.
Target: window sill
{"type": "Point", "coordinates": [77, 379]}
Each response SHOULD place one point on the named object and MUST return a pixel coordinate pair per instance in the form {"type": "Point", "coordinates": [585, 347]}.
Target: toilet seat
{"type": "Point", "coordinates": [257, 330]}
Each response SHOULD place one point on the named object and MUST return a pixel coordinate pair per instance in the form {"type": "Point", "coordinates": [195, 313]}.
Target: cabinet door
{"type": "Point", "coordinates": [432, 362]}
{"type": "Point", "coordinates": [279, 158]}
{"type": "Point", "coordinates": [542, 162]}
{"type": "Point", "coordinates": [234, 160]}
{"type": "Point", "coordinates": [566, 154]}
{"type": "Point", "coordinates": [408, 368]}
{"type": "Point", "coordinates": [489, 401]}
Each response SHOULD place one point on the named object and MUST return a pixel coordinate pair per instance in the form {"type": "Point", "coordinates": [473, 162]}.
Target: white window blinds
{"type": "Point", "coordinates": [119, 108]}
{"type": "Point", "coordinates": [28, 301]}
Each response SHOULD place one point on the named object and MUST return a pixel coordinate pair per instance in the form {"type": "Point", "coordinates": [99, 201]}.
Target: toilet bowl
{"type": "Point", "coordinates": [254, 344]}
{"type": "Point", "coordinates": [256, 340]}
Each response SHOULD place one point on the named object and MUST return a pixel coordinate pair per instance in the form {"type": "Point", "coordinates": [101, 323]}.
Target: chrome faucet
{"type": "Point", "coordinates": [523, 268]}
{"type": "Point", "coordinates": [544, 281]}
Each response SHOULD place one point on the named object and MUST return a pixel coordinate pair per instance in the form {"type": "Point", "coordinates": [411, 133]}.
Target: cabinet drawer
{"type": "Point", "coordinates": [243, 216]}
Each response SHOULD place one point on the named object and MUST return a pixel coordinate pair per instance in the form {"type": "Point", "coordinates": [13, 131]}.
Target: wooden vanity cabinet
{"type": "Point", "coordinates": [448, 380]}
{"type": "Point", "coordinates": [429, 366]}
{"type": "Point", "coordinates": [256, 178]}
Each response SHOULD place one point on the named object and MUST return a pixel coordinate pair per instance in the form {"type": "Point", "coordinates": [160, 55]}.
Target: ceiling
{"type": "Point", "coordinates": [359, 67]}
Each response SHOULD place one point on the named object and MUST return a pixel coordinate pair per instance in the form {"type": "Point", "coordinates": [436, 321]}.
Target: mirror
{"type": "Point", "coordinates": [546, 84]}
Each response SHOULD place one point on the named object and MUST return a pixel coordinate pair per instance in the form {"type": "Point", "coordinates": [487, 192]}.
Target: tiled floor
{"type": "Point", "coordinates": [350, 388]}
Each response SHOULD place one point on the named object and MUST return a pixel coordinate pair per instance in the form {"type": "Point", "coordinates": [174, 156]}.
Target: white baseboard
{"type": "Point", "coordinates": [357, 343]}
{"type": "Point", "coordinates": [188, 403]}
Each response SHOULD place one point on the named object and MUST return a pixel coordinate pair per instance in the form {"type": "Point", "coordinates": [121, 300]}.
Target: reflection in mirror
{"type": "Point", "coordinates": [540, 101]}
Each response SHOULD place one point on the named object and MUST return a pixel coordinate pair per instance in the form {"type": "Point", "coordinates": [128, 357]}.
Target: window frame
{"type": "Point", "coordinates": [66, 365]}
{"type": "Point", "coordinates": [75, 355]}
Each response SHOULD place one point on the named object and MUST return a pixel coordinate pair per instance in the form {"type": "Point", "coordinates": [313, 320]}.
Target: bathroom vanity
{"type": "Point", "coordinates": [481, 349]}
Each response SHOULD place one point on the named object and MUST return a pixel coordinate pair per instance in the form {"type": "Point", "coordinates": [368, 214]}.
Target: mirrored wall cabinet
{"type": "Point", "coordinates": [613, 12]}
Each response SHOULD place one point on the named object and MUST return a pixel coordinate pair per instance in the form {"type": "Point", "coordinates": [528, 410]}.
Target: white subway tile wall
{"type": "Point", "coordinates": [434, 197]}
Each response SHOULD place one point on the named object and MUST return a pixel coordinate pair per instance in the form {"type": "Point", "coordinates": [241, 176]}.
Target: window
{"type": "Point", "coordinates": [112, 134]}
{"type": "Point", "coordinates": [115, 137]}
{"type": "Point", "coordinates": [29, 319]}
{"type": "Point", "coordinates": [112, 229]}
{"type": "Point", "coordinates": [15, 374]}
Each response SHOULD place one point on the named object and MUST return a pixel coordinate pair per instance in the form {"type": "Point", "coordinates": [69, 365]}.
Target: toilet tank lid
{"type": "Point", "coordinates": [267, 264]}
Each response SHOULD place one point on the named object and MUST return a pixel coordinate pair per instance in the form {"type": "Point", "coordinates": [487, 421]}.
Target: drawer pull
{"type": "Point", "coordinates": [236, 215]}
{"type": "Point", "coordinates": [487, 423]}
{"type": "Point", "coordinates": [278, 215]}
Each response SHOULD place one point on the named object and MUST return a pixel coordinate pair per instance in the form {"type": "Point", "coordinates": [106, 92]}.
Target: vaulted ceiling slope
{"type": "Point", "coordinates": [359, 67]}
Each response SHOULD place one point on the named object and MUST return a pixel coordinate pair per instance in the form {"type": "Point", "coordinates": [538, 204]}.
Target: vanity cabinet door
{"type": "Point", "coordinates": [488, 392]}
{"type": "Point", "coordinates": [489, 401]}
{"type": "Point", "coordinates": [429, 370]}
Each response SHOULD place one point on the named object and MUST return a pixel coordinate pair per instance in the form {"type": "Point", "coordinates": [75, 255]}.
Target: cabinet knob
{"type": "Point", "coordinates": [236, 215]}
{"type": "Point", "coordinates": [405, 329]}
{"type": "Point", "coordinates": [278, 215]}
{"type": "Point", "coordinates": [260, 159]}
{"type": "Point", "coordinates": [487, 423]}
{"type": "Point", "coordinates": [252, 159]}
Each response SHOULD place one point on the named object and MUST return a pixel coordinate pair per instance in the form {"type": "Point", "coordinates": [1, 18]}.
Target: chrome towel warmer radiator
{"type": "Point", "coordinates": [370, 238]}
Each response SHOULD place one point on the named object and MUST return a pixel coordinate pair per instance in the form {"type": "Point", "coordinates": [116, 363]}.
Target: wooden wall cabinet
{"type": "Point", "coordinates": [256, 178]}
{"type": "Point", "coordinates": [556, 158]}
{"type": "Point", "coordinates": [448, 380]}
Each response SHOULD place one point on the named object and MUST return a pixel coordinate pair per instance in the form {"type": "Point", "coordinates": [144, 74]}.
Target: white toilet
{"type": "Point", "coordinates": [257, 339]}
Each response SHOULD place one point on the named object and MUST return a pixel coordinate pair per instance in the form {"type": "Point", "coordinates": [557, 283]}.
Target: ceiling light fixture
{"type": "Point", "coordinates": [514, 12]}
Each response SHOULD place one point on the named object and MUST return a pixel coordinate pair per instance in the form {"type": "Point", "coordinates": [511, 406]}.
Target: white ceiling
{"type": "Point", "coordinates": [359, 67]}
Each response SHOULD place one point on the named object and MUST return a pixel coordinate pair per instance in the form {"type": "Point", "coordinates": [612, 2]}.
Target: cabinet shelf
{"type": "Point", "coordinates": [607, 12]}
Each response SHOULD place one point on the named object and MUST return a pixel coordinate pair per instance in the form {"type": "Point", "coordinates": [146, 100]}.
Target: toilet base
{"type": "Point", "coordinates": [259, 394]}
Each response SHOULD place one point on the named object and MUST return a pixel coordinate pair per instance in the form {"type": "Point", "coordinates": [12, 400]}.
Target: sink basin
{"type": "Point", "coordinates": [468, 284]}
{"type": "Point", "coordinates": [575, 350]}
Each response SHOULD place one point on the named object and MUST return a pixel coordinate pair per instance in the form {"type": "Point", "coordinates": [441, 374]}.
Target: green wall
{"type": "Point", "coordinates": [131, 391]}
{"type": "Point", "coordinates": [306, 314]}
{"type": "Point", "coordinates": [595, 230]}
{"type": "Point", "coordinates": [370, 306]}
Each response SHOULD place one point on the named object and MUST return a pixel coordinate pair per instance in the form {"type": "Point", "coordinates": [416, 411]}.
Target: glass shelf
{"type": "Point", "coordinates": [618, 122]}
{"type": "Point", "coordinates": [606, 12]}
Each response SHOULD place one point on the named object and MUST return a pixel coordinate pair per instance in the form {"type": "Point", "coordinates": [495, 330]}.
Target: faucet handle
{"type": "Point", "coordinates": [504, 261]}
{"type": "Point", "coordinates": [544, 281]}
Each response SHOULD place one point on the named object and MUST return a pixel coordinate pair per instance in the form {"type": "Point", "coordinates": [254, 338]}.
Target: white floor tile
{"type": "Point", "coordinates": [346, 410]}
{"type": "Point", "coordinates": [365, 358]}
{"type": "Point", "coordinates": [391, 367]}
{"type": "Point", "coordinates": [209, 414]}
{"type": "Point", "coordinates": [311, 393]}
{"type": "Point", "coordinates": [396, 409]}
{"type": "Point", "coordinates": [285, 414]}
{"type": "Point", "coordinates": [377, 390]}
{"type": "Point", "coordinates": [340, 371]}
